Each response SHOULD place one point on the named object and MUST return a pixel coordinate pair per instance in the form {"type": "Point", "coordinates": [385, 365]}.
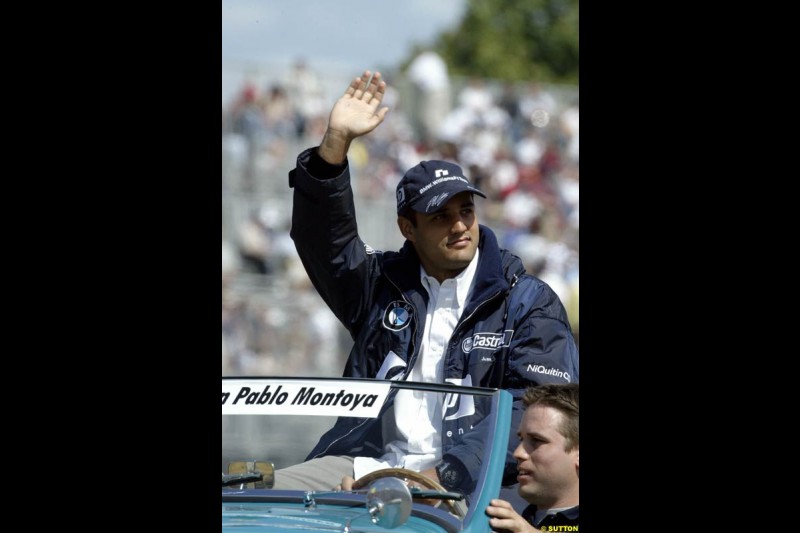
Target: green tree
{"type": "Point", "coordinates": [515, 40]}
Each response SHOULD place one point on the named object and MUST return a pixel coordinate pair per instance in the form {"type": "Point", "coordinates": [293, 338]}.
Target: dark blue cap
{"type": "Point", "coordinates": [426, 187]}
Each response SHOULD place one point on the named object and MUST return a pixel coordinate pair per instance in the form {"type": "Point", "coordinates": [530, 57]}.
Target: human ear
{"type": "Point", "coordinates": [406, 228]}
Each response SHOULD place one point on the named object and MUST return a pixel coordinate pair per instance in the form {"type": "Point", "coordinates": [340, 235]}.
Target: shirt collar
{"type": "Point", "coordinates": [464, 280]}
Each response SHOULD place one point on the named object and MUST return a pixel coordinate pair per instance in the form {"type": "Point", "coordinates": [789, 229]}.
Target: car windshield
{"type": "Point", "coordinates": [272, 423]}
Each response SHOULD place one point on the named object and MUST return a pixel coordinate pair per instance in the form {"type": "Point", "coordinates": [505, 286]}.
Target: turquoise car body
{"type": "Point", "coordinates": [251, 507]}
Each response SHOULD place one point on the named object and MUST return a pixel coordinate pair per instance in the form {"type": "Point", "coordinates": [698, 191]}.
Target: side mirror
{"type": "Point", "coordinates": [389, 502]}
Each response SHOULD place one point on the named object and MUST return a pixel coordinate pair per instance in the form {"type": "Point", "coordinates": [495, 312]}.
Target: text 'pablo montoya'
{"type": "Point", "coordinates": [305, 396]}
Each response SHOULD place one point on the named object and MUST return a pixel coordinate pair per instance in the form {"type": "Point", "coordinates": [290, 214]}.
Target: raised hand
{"type": "Point", "coordinates": [356, 113]}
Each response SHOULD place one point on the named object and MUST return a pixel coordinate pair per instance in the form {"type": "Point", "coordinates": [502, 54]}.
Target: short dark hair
{"type": "Point", "coordinates": [563, 397]}
{"type": "Point", "coordinates": [410, 214]}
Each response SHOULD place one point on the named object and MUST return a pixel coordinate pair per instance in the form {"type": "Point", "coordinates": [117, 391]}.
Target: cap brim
{"type": "Point", "coordinates": [422, 204]}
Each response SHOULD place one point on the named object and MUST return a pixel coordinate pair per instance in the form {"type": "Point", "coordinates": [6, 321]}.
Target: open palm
{"type": "Point", "coordinates": [358, 110]}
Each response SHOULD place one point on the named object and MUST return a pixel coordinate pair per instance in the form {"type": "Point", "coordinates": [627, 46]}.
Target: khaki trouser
{"type": "Point", "coordinates": [322, 473]}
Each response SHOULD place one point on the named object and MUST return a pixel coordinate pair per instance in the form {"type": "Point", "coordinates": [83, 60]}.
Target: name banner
{"type": "Point", "coordinates": [318, 398]}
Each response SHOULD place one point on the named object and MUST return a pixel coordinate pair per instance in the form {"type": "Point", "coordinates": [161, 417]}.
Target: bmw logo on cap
{"type": "Point", "coordinates": [398, 315]}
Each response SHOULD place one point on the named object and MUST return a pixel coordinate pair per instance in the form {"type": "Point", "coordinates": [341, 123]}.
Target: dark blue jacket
{"type": "Point", "coordinates": [513, 333]}
{"type": "Point", "coordinates": [567, 517]}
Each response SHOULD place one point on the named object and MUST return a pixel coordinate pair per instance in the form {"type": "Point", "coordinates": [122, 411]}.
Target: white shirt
{"type": "Point", "coordinates": [418, 415]}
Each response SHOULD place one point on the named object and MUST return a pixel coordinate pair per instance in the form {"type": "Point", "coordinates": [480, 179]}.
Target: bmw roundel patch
{"type": "Point", "coordinates": [397, 315]}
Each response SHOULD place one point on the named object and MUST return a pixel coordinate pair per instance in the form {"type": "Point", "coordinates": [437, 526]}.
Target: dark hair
{"type": "Point", "coordinates": [410, 214]}
{"type": "Point", "coordinates": [563, 397]}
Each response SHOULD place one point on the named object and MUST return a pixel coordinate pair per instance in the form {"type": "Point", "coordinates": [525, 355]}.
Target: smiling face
{"type": "Point", "coordinates": [548, 474]}
{"type": "Point", "coordinates": [445, 240]}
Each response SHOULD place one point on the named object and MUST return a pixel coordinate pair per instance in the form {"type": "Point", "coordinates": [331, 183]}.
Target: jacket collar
{"type": "Point", "coordinates": [496, 269]}
{"type": "Point", "coordinates": [572, 514]}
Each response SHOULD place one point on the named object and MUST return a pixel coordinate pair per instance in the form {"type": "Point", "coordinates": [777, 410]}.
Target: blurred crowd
{"type": "Point", "coordinates": [518, 142]}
